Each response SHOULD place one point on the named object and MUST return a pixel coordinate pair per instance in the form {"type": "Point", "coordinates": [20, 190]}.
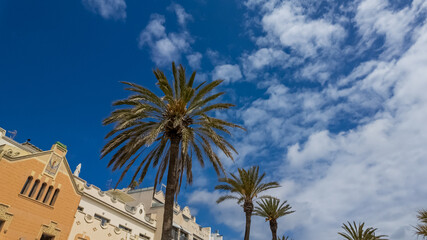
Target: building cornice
{"type": "Point", "coordinates": [104, 198]}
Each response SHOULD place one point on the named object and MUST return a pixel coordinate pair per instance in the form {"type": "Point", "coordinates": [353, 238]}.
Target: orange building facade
{"type": "Point", "coordinates": [38, 197]}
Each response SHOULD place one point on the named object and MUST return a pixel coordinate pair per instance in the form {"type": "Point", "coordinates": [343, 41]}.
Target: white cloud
{"type": "Point", "coordinates": [115, 9]}
{"type": "Point", "coordinates": [227, 212]}
{"type": "Point", "coordinates": [194, 60]}
{"type": "Point", "coordinates": [288, 24]}
{"type": "Point", "coordinates": [182, 16]}
{"type": "Point", "coordinates": [254, 63]}
{"type": "Point", "coordinates": [164, 47]}
{"type": "Point", "coordinates": [320, 145]}
{"type": "Point", "coordinates": [317, 71]}
{"type": "Point", "coordinates": [267, 57]}
{"type": "Point", "coordinates": [371, 173]}
{"type": "Point", "coordinates": [227, 72]}
{"type": "Point", "coordinates": [373, 169]}
{"type": "Point", "coordinates": [374, 17]}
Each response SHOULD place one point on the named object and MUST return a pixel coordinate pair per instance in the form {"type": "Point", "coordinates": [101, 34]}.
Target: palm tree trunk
{"type": "Point", "coordinates": [170, 191]}
{"type": "Point", "coordinates": [248, 208]}
{"type": "Point", "coordinates": [273, 228]}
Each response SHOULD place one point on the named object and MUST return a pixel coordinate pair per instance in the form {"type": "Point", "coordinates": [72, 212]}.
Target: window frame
{"type": "Point", "coordinates": [34, 188]}
{"type": "Point", "coordinates": [143, 237]}
{"type": "Point", "coordinates": [101, 218]}
{"type": "Point", "coordinates": [47, 236]}
{"type": "Point", "coordinates": [41, 191]}
{"type": "Point", "coordinates": [27, 184]}
{"type": "Point", "coordinates": [54, 197]}
{"type": "Point", "coordinates": [125, 228]}
{"type": "Point", "coordinates": [48, 193]}
{"type": "Point", "coordinates": [2, 223]}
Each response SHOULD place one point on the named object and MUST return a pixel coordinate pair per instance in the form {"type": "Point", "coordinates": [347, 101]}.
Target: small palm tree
{"type": "Point", "coordinates": [172, 128]}
{"type": "Point", "coordinates": [271, 209]}
{"type": "Point", "coordinates": [353, 232]}
{"type": "Point", "coordinates": [421, 229]}
{"type": "Point", "coordinates": [245, 188]}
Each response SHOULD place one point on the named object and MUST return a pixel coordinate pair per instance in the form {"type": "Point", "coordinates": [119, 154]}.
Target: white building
{"type": "Point", "coordinates": [184, 224]}
{"type": "Point", "coordinates": [107, 215]}
{"type": "Point", "coordinates": [216, 236]}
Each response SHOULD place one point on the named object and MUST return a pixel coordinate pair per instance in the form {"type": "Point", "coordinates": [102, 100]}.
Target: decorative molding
{"type": "Point", "coordinates": [88, 218]}
{"type": "Point", "coordinates": [50, 229]}
{"type": "Point", "coordinates": [81, 236]}
{"type": "Point", "coordinates": [5, 216]}
{"type": "Point", "coordinates": [105, 198]}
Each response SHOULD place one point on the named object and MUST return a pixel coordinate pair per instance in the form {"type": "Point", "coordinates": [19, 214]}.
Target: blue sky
{"type": "Point", "coordinates": [332, 94]}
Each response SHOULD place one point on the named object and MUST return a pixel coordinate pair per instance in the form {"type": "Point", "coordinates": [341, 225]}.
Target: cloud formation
{"type": "Point", "coordinates": [227, 72]}
{"type": "Point", "coordinates": [164, 47]}
{"type": "Point", "coordinates": [288, 26]}
{"type": "Point", "coordinates": [108, 9]}
{"type": "Point", "coordinates": [182, 16]}
{"type": "Point", "coordinates": [353, 147]}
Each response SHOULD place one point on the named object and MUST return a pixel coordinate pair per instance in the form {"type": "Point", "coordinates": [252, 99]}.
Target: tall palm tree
{"type": "Point", "coordinates": [353, 232]}
{"type": "Point", "coordinates": [165, 131]}
{"type": "Point", "coordinates": [421, 229]}
{"type": "Point", "coordinates": [271, 209]}
{"type": "Point", "coordinates": [245, 188]}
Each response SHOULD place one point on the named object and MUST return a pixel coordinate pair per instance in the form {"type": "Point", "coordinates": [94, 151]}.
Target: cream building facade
{"type": "Point", "coordinates": [216, 236]}
{"type": "Point", "coordinates": [107, 215]}
{"type": "Point", "coordinates": [184, 224]}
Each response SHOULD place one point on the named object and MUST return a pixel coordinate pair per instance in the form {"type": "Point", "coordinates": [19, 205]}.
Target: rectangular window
{"type": "Point", "coordinates": [183, 236]}
{"type": "Point", "coordinates": [80, 209]}
{"type": "Point", "coordinates": [175, 233]}
{"type": "Point", "coordinates": [104, 221]}
{"type": "Point", "coordinates": [126, 229]}
{"type": "Point", "coordinates": [143, 237]}
{"type": "Point", "coordinates": [1, 225]}
{"type": "Point", "coordinates": [47, 237]}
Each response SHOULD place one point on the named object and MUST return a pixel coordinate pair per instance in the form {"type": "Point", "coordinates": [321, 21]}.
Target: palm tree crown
{"type": "Point", "coordinates": [166, 131]}
{"type": "Point", "coordinates": [271, 209]}
{"type": "Point", "coordinates": [149, 122]}
{"type": "Point", "coordinates": [353, 232]}
{"type": "Point", "coordinates": [244, 188]}
{"type": "Point", "coordinates": [421, 229]}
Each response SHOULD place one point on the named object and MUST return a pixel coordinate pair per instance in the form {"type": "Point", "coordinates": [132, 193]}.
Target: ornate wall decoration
{"type": "Point", "coordinates": [53, 165]}
{"type": "Point", "coordinates": [5, 216]}
{"type": "Point", "coordinates": [50, 229]}
{"type": "Point", "coordinates": [9, 152]}
{"type": "Point", "coordinates": [81, 237]}
{"type": "Point", "coordinates": [88, 218]}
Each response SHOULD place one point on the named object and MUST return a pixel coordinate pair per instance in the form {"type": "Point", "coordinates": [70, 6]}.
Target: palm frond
{"type": "Point", "coordinates": [271, 208]}
{"type": "Point", "coordinates": [357, 232]}
{"type": "Point", "coordinates": [145, 123]}
{"type": "Point", "coordinates": [421, 229]}
{"type": "Point", "coordinates": [247, 184]}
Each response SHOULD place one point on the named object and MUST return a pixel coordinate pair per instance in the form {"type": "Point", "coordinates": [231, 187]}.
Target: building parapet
{"type": "Point", "coordinates": [107, 197]}
{"type": "Point", "coordinates": [86, 224]}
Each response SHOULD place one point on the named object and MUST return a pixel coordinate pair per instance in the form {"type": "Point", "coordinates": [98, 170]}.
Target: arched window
{"type": "Point", "coordinates": [47, 196]}
{"type": "Point", "coordinates": [54, 197]}
{"type": "Point", "coordinates": [27, 185]}
{"type": "Point", "coordinates": [34, 188]}
{"type": "Point", "coordinates": [41, 191]}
